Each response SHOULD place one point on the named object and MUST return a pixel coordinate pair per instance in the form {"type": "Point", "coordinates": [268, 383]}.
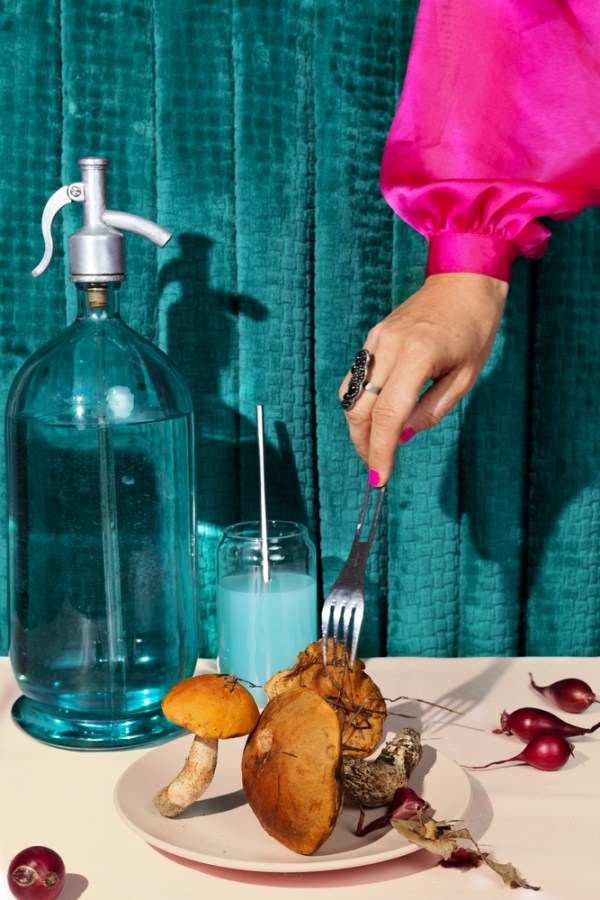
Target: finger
{"type": "Point", "coordinates": [394, 407]}
{"type": "Point", "coordinates": [358, 416]}
{"type": "Point", "coordinates": [359, 423]}
{"type": "Point", "coordinates": [436, 402]}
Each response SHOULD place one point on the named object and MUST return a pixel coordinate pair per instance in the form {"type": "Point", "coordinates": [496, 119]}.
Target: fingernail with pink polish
{"type": "Point", "coordinates": [373, 477]}
{"type": "Point", "coordinates": [406, 435]}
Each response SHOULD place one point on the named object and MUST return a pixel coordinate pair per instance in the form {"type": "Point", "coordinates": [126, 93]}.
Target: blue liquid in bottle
{"type": "Point", "coordinates": [101, 533]}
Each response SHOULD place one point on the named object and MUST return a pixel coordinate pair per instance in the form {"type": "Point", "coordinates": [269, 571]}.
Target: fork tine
{"type": "Point", "coordinates": [345, 606]}
{"type": "Point", "coordinates": [356, 626]}
{"type": "Point", "coordinates": [347, 618]}
{"type": "Point", "coordinates": [345, 601]}
{"type": "Point", "coordinates": [338, 610]}
{"type": "Point", "coordinates": [348, 608]}
{"type": "Point", "coordinates": [330, 620]}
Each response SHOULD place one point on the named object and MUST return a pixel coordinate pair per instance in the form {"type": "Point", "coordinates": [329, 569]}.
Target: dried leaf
{"type": "Point", "coordinates": [509, 875]}
{"type": "Point", "coordinates": [437, 837]}
{"type": "Point", "coordinates": [441, 838]}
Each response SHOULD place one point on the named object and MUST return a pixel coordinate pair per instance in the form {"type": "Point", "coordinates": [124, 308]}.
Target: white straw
{"type": "Point", "coordinates": [263, 493]}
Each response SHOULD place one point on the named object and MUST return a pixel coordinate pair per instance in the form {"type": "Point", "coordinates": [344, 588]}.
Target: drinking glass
{"type": "Point", "coordinates": [264, 623]}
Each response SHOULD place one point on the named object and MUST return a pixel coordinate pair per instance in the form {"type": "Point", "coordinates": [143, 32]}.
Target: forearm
{"type": "Point", "coordinates": [498, 125]}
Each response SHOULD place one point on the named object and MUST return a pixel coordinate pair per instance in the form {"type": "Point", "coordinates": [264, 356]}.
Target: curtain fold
{"type": "Point", "coordinates": [253, 129]}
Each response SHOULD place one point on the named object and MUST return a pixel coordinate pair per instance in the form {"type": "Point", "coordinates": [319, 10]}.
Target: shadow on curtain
{"type": "Point", "coordinates": [254, 131]}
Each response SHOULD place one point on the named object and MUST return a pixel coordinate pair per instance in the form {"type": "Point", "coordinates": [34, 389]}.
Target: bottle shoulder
{"type": "Point", "coordinates": [98, 369]}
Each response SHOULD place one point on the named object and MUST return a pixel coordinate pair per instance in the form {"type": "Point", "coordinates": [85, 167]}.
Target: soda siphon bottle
{"type": "Point", "coordinates": [101, 506]}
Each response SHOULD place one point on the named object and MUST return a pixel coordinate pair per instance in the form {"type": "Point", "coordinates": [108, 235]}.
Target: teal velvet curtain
{"type": "Point", "coordinates": [254, 130]}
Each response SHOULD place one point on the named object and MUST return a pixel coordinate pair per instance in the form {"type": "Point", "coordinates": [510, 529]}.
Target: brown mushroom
{"type": "Point", "coordinates": [292, 770]}
{"type": "Point", "coordinates": [352, 693]}
{"type": "Point", "coordinates": [213, 708]}
{"type": "Point", "coordinates": [373, 782]}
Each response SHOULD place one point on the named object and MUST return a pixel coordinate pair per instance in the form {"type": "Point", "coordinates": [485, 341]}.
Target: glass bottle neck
{"type": "Point", "coordinates": [97, 301]}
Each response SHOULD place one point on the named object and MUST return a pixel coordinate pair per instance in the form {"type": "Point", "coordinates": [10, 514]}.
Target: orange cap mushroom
{"type": "Point", "coordinates": [213, 708]}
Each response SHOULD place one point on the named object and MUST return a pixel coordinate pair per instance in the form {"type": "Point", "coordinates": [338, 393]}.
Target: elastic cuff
{"type": "Point", "coordinates": [485, 254]}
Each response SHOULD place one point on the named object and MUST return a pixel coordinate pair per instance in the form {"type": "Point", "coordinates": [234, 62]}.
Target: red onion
{"type": "Point", "coordinates": [405, 805]}
{"type": "Point", "coordinates": [545, 751]}
{"type": "Point", "coordinates": [569, 694]}
{"type": "Point", "coordinates": [36, 872]}
{"type": "Point", "coordinates": [528, 721]}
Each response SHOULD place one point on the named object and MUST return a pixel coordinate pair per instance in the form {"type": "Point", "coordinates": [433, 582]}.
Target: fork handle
{"type": "Point", "coordinates": [363, 512]}
{"type": "Point", "coordinates": [359, 552]}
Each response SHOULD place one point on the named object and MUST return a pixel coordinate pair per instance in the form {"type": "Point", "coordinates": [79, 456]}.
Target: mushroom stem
{"type": "Point", "coordinates": [373, 782]}
{"type": "Point", "coordinates": [192, 781]}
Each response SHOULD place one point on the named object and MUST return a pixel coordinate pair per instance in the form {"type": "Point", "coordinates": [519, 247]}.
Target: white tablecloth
{"type": "Point", "coordinates": [545, 823]}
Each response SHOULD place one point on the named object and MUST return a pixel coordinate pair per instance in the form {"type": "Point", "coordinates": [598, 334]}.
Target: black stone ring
{"type": "Point", "coordinates": [358, 380]}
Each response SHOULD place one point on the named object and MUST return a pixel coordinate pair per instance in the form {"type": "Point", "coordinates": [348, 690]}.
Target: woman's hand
{"type": "Point", "coordinates": [443, 333]}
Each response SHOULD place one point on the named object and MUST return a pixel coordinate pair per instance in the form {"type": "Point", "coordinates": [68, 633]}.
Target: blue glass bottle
{"type": "Point", "coordinates": [100, 455]}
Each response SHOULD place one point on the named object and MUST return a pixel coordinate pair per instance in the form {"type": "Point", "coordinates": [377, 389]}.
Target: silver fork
{"type": "Point", "coordinates": [345, 602]}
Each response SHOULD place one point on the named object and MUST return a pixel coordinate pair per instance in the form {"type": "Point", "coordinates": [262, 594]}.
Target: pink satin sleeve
{"type": "Point", "coordinates": [498, 125]}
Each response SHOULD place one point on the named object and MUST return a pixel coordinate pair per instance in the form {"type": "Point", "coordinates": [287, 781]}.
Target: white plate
{"type": "Point", "coordinates": [221, 829]}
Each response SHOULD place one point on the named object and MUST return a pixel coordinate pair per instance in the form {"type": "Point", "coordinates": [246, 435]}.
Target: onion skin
{"type": "Point", "coordinates": [528, 721]}
{"type": "Point", "coordinates": [569, 694]}
{"type": "Point", "coordinates": [405, 804]}
{"type": "Point", "coordinates": [547, 752]}
{"type": "Point", "coordinates": [36, 872]}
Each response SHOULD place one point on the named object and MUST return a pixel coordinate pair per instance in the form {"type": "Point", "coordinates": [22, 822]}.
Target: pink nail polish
{"type": "Point", "coordinates": [373, 477]}
{"type": "Point", "coordinates": [406, 435]}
